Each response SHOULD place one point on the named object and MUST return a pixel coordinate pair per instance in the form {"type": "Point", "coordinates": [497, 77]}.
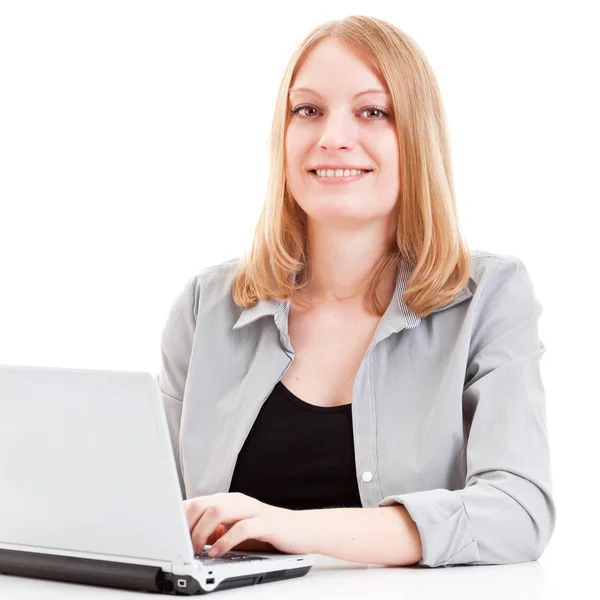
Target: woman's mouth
{"type": "Point", "coordinates": [339, 180]}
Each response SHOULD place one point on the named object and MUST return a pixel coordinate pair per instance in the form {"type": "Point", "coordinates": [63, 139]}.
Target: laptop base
{"type": "Point", "coordinates": [122, 575]}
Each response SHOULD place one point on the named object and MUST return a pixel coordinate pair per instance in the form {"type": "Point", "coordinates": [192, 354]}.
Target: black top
{"type": "Point", "coordinates": [298, 455]}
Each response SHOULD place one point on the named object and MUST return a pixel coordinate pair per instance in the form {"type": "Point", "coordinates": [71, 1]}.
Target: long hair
{"type": "Point", "coordinates": [427, 235]}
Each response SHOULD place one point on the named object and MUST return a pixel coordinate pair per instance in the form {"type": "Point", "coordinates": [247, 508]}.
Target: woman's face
{"type": "Point", "coordinates": [333, 125]}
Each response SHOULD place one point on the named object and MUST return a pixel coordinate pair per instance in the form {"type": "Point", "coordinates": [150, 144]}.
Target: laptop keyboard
{"type": "Point", "coordinates": [228, 557]}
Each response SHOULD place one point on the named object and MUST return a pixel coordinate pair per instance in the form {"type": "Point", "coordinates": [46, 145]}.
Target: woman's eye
{"type": "Point", "coordinates": [373, 109]}
{"type": "Point", "coordinates": [376, 110]}
{"type": "Point", "coordinates": [301, 108]}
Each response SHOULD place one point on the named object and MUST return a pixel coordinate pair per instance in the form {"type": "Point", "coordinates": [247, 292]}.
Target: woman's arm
{"type": "Point", "coordinates": [382, 535]}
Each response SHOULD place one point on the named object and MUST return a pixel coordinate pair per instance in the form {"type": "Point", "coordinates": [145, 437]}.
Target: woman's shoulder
{"type": "Point", "coordinates": [486, 263]}
{"type": "Point", "coordinates": [214, 276]}
{"type": "Point", "coordinates": [209, 288]}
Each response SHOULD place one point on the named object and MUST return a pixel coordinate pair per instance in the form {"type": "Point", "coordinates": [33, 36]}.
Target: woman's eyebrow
{"type": "Point", "coordinates": [369, 91]}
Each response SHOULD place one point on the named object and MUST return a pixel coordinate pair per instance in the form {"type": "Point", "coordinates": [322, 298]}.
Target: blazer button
{"type": "Point", "coordinates": [367, 476]}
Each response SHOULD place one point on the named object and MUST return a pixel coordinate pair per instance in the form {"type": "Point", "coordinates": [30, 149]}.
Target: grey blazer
{"type": "Point", "coordinates": [448, 411]}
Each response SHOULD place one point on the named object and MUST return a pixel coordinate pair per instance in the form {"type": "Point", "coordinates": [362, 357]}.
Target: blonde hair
{"type": "Point", "coordinates": [427, 235]}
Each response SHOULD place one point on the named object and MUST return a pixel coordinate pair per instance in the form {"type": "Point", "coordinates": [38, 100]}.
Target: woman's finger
{"type": "Point", "coordinates": [216, 534]}
{"type": "Point", "coordinates": [240, 532]}
{"type": "Point", "coordinates": [195, 508]}
{"type": "Point", "coordinates": [208, 523]}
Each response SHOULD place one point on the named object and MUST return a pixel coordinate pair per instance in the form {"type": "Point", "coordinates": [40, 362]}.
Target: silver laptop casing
{"type": "Point", "coordinates": [87, 470]}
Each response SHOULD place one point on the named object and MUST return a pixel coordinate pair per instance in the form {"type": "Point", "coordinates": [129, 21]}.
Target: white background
{"type": "Point", "coordinates": [133, 145]}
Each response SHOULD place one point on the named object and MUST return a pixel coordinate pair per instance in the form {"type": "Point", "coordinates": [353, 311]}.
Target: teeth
{"type": "Point", "coordinates": [339, 172]}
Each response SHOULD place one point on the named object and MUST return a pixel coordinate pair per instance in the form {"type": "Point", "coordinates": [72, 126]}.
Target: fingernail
{"type": "Point", "coordinates": [214, 551]}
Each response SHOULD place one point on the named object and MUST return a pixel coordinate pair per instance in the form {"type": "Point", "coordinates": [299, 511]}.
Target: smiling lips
{"type": "Point", "coordinates": [339, 180]}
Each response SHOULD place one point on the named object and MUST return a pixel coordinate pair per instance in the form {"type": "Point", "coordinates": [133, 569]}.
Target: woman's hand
{"type": "Point", "coordinates": [234, 521]}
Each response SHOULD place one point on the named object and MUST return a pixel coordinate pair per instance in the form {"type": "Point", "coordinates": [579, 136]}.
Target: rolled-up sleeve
{"type": "Point", "coordinates": [176, 347]}
{"type": "Point", "coordinates": [506, 512]}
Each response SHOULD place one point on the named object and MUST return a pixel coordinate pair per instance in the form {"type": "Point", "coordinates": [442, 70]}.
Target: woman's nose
{"type": "Point", "coordinates": [338, 132]}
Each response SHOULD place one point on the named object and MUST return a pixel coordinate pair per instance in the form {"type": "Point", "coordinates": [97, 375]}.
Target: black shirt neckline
{"type": "Point", "coordinates": [312, 407]}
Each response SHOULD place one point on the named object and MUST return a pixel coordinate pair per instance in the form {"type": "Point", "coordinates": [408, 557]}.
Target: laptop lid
{"type": "Point", "coordinates": [86, 466]}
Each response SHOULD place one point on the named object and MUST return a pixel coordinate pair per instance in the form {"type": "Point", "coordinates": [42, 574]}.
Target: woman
{"type": "Point", "coordinates": [361, 385]}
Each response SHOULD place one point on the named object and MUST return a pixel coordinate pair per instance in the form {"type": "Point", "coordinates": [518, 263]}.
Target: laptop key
{"type": "Point", "coordinates": [227, 557]}
{"type": "Point", "coordinates": [213, 561]}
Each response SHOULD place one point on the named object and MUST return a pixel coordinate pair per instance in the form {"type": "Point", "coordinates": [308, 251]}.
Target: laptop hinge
{"type": "Point", "coordinates": [85, 570]}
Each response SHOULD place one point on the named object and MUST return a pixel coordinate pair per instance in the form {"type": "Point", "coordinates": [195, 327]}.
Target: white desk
{"type": "Point", "coordinates": [331, 578]}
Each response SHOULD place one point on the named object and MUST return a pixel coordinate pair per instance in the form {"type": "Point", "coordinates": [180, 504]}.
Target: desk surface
{"type": "Point", "coordinates": [329, 578]}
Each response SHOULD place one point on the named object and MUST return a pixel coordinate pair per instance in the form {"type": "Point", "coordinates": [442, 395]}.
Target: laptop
{"type": "Point", "coordinates": [89, 491]}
